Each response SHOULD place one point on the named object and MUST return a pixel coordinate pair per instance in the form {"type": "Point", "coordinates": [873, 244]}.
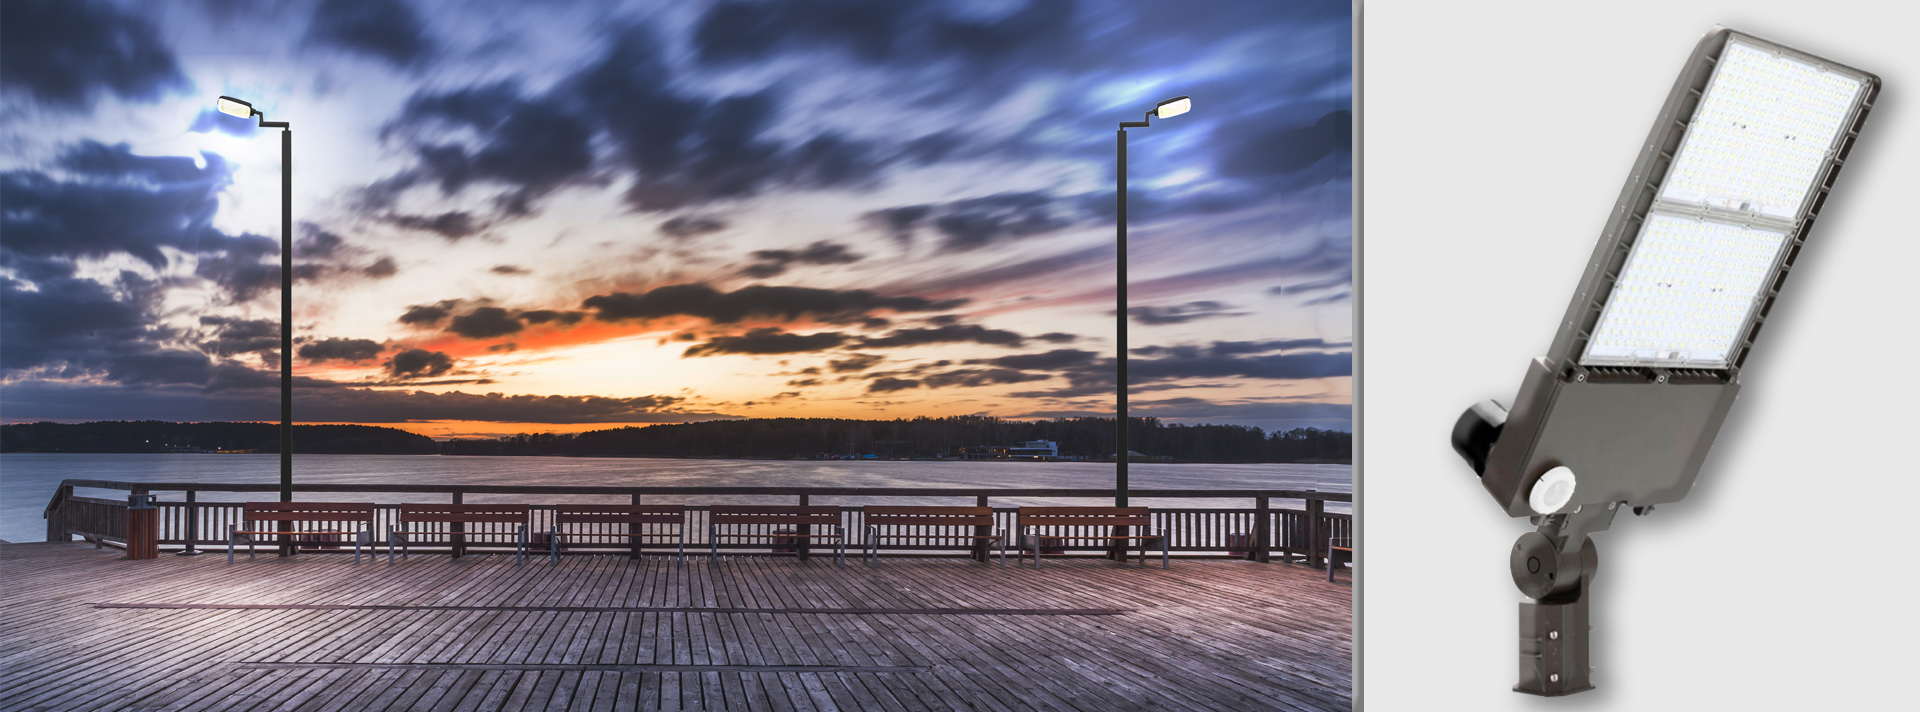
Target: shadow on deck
{"type": "Point", "coordinates": [84, 629]}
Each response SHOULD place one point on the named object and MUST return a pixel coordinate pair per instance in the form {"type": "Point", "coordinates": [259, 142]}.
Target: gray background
{"type": "Point", "coordinates": [1496, 138]}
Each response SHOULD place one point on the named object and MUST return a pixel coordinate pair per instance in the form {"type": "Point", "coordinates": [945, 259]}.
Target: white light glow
{"type": "Point", "coordinates": [1762, 132]}
{"type": "Point", "coordinates": [234, 107]}
{"type": "Point", "coordinates": [1552, 491]}
{"type": "Point", "coordinates": [1175, 107]}
{"type": "Point", "coordinates": [1684, 294]}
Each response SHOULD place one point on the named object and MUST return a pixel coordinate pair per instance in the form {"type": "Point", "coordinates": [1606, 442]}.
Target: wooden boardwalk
{"type": "Point", "coordinates": [85, 629]}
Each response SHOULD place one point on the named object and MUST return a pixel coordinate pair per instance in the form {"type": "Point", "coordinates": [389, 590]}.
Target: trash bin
{"type": "Point", "coordinates": [1239, 544]}
{"type": "Point", "coordinates": [143, 527]}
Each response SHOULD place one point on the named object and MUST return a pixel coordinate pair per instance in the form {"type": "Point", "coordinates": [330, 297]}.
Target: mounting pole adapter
{"type": "Point", "coordinates": [1554, 566]}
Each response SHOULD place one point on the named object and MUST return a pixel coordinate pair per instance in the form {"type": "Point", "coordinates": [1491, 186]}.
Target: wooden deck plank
{"type": "Point", "coordinates": [1213, 634]}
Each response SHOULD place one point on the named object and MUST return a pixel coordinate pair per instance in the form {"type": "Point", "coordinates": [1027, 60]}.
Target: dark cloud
{"type": "Point", "coordinates": [120, 203]}
{"type": "Point", "coordinates": [1255, 146]}
{"type": "Point", "coordinates": [855, 362]}
{"type": "Point", "coordinates": [509, 270]}
{"type": "Point", "coordinates": [337, 349]}
{"type": "Point", "coordinates": [428, 314]}
{"type": "Point", "coordinates": [900, 222]}
{"type": "Point", "coordinates": [228, 336]}
{"type": "Point", "coordinates": [888, 385]}
{"type": "Point", "coordinates": [66, 54]}
{"type": "Point", "coordinates": [79, 325]}
{"type": "Point", "coordinates": [767, 340]}
{"type": "Point", "coordinates": [452, 225]}
{"type": "Point", "coordinates": [977, 222]}
{"type": "Point", "coordinates": [542, 316]}
{"type": "Point", "coordinates": [419, 363]}
{"type": "Point", "coordinates": [381, 268]}
{"type": "Point", "coordinates": [1272, 366]}
{"type": "Point", "coordinates": [254, 395]}
{"type": "Point", "coordinates": [484, 323]}
{"type": "Point", "coordinates": [788, 303]}
{"type": "Point", "coordinates": [1238, 348]}
{"type": "Point", "coordinates": [1328, 299]}
{"type": "Point", "coordinates": [532, 146]}
{"type": "Point", "coordinates": [773, 263]}
{"type": "Point", "coordinates": [804, 382]}
{"type": "Point", "coordinates": [691, 225]}
{"type": "Point", "coordinates": [1181, 313]}
{"type": "Point", "coordinates": [1055, 360]}
{"type": "Point", "coordinates": [388, 30]}
{"type": "Point", "coordinates": [1313, 285]}
{"type": "Point", "coordinates": [732, 32]}
{"type": "Point", "coordinates": [973, 377]}
{"type": "Point", "coordinates": [953, 334]}
{"type": "Point", "coordinates": [239, 269]}
{"type": "Point", "coordinates": [318, 243]}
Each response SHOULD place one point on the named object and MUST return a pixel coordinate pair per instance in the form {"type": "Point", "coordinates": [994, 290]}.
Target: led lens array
{"type": "Point", "coordinates": [1684, 294]}
{"type": "Point", "coordinates": [1763, 129]}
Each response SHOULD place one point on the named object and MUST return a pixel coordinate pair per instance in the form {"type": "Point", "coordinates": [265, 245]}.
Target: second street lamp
{"type": "Point", "coordinates": [235, 107]}
{"type": "Point", "coordinates": [1169, 108]}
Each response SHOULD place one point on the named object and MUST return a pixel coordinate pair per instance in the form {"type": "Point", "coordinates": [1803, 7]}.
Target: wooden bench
{"type": "Point", "coordinates": [976, 520]}
{"type": "Point", "coordinates": [802, 518]}
{"type": "Point", "coordinates": [1033, 519]}
{"type": "Point", "coordinates": [1336, 547]}
{"type": "Point", "coordinates": [634, 516]}
{"type": "Point", "coordinates": [459, 514]}
{"type": "Point", "coordinates": [295, 513]}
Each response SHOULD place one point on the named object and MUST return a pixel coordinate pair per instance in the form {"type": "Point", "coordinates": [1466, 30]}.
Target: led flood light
{"type": "Point", "coordinates": [1623, 409]}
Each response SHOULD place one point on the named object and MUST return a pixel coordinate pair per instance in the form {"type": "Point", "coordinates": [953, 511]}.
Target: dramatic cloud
{"type": "Point", "coordinates": [326, 402]}
{"type": "Point", "coordinates": [956, 333]}
{"type": "Point", "coordinates": [419, 363]}
{"type": "Point", "coordinates": [384, 29]}
{"type": "Point", "coordinates": [337, 349]}
{"type": "Point", "coordinates": [66, 54]}
{"type": "Point", "coordinates": [787, 303]}
{"type": "Point", "coordinates": [855, 362]}
{"type": "Point", "coordinates": [451, 225]}
{"type": "Point", "coordinates": [428, 314]}
{"type": "Point", "coordinates": [888, 385]}
{"type": "Point", "coordinates": [773, 263]}
{"type": "Point", "coordinates": [542, 316]}
{"type": "Point", "coordinates": [484, 323]}
{"type": "Point", "coordinates": [510, 270]}
{"type": "Point", "coordinates": [1275, 366]}
{"type": "Point", "coordinates": [1181, 314]}
{"type": "Point", "coordinates": [977, 222]}
{"type": "Point", "coordinates": [119, 202]}
{"type": "Point", "coordinates": [691, 225]}
{"type": "Point", "coordinates": [230, 336]}
{"type": "Point", "coordinates": [767, 340]}
{"type": "Point", "coordinates": [1264, 148]}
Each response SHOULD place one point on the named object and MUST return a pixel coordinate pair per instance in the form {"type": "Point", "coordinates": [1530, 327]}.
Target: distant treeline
{"type": "Point", "coordinates": [163, 436]}
{"type": "Point", "coordinates": [785, 438]}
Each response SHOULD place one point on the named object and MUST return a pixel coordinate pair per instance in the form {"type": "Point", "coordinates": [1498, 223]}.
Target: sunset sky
{"type": "Point", "coordinates": [562, 216]}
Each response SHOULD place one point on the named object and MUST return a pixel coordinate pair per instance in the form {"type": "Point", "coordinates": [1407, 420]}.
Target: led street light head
{"type": "Point", "coordinates": [235, 107]}
{"type": "Point", "coordinates": [1646, 364]}
{"type": "Point", "coordinates": [1173, 107]}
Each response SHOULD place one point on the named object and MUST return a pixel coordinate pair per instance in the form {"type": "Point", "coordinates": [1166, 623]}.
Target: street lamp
{"type": "Point", "coordinates": [235, 107]}
{"type": "Point", "coordinates": [1621, 412]}
{"type": "Point", "coordinates": [1166, 109]}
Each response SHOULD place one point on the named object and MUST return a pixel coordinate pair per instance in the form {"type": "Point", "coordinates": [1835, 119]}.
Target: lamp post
{"type": "Point", "coordinates": [235, 107]}
{"type": "Point", "coordinates": [1166, 109]}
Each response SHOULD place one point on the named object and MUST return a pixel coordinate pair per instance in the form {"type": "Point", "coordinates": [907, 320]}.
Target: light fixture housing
{"type": "Point", "coordinates": [234, 107]}
{"type": "Point", "coordinates": [1172, 107]}
{"type": "Point", "coordinates": [1646, 363]}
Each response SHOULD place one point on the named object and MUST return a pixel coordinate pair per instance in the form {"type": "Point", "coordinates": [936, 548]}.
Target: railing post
{"type": "Point", "coordinates": [1316, 534]}
{"type": "Point", "coordinates": [458, 529]}
{"type": "Point", "coordinates": [193, 526]}
{"type": "Point", "coordinates": [58, 529]}
{"type": "Point", "coordinates": [1262, 525]}
{"type": "Point", "coordinates": [804, 530]}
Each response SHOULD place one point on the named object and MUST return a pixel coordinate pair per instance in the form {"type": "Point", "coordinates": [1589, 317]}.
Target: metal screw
{"type": "Point", "coordinates": [1553, 635]}
{"type": "Point", "coordinates": [1554, 677]}
{"type": "Point", "coordinates": [1611, 505]}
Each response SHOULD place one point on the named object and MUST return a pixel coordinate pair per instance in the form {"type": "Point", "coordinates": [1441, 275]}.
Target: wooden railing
{"type": "Point", "coordinates": [1255, 532]}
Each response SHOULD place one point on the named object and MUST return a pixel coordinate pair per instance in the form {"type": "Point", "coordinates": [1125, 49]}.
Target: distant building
{"type": "Point", "coordinates": [1029, 450]}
